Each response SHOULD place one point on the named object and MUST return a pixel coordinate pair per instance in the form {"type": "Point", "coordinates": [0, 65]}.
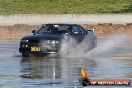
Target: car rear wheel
{"type": "Point", "coordinates": [25, 54]}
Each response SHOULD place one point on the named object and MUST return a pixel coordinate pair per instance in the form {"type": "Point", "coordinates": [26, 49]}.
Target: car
{"type": "Point", "coordinates": [48, 38]}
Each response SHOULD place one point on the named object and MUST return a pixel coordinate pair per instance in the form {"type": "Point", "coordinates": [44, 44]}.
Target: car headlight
{"type": "Point", "coordinates": [53, 42]}
{"type": "Point", "coordinates": [24, 41]}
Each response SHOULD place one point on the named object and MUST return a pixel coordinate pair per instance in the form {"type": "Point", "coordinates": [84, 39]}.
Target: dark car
{"type": "Point", "coordinates": [49, 37]}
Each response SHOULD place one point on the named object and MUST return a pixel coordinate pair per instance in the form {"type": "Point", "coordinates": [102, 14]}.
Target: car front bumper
{"type": "Point", "coordinates": [42, 50]}
{"type": "Point", "coordinates": [39, 46]}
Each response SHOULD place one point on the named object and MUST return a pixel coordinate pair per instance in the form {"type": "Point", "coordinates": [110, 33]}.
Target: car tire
{"type": "Point", "coordinates": [25, 54]}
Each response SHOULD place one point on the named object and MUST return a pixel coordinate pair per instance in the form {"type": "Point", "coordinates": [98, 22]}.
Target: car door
{"type": "Point", "coordinates": [77, 33]}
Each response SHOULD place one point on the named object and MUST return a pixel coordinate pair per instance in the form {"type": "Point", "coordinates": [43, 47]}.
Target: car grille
{"type": "Point", "coordinates": [30, 43]}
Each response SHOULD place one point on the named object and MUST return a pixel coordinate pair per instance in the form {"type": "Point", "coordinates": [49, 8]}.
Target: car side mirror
{"type": "Point", "coordinates": [34, 31]}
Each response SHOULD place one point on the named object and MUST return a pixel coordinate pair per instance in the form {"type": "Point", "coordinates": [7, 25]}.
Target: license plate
{"type": "Point", "coordinates": [35, 48]}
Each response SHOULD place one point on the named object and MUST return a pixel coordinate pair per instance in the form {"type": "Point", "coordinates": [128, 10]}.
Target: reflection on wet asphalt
{"type": "Point", "coordinates": [39, 68]}
{"type": "Point", "coordinates": [43, 72]}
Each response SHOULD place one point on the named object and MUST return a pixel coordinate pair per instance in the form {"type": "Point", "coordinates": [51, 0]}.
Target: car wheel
{"type": "Point", "coordinates": [25, 54]}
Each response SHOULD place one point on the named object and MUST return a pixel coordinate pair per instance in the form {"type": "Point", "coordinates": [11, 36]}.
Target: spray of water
{"type": "Point", "coordinates": [70, 48]}
{"type": "Point", "coordinates": [110, 44]}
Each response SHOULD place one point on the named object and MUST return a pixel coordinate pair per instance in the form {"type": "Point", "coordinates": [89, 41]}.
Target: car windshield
{"type": "Point", "coordinates": [54, 28]}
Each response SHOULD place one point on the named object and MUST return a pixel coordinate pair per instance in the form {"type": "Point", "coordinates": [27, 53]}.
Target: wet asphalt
{"type": "Point", "coordinates": [61, 72]}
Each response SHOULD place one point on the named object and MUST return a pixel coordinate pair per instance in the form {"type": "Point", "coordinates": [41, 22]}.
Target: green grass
{"type": "Point", "coordinates": [64, 6]}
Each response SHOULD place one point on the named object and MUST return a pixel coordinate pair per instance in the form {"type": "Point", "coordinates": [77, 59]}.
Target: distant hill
{"type": "Point", "coordinates": [64, 6]}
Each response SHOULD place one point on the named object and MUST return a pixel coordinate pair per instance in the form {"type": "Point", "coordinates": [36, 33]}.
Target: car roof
{"type": "Point", "coordinates": [60, 24]}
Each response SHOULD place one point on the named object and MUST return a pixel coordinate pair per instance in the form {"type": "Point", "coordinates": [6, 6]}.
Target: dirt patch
{"type": "Point", "coordinates": [16, 31]}
{"type": "Point", "coordinates": [102, 30]}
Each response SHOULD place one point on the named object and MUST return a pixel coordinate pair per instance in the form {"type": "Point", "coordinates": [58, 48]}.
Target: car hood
{"type": "Point", "coordinates": [43, 36]}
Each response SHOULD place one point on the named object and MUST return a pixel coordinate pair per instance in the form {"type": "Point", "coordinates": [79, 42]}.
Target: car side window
{"type": "Point", "coordinates": [83, 31]}
{"type": "Point", "coordinates": [75, 29]}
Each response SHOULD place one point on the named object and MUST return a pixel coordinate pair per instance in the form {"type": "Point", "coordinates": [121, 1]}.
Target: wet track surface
{"type": "Point", "coordinates": [63, 72]}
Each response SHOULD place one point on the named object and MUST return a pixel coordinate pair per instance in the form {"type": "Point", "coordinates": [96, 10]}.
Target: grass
{"type": "Point", "coordinates": [64, 6]}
